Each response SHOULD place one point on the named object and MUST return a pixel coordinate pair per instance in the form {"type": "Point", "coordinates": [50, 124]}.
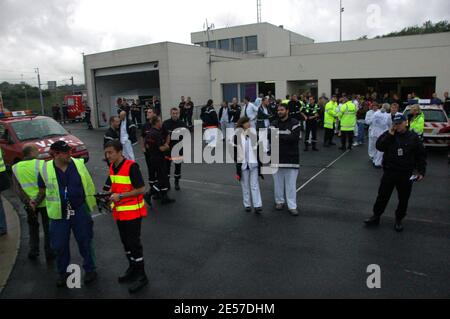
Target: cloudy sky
{"type": "Point", "coordinates": [53, 34]}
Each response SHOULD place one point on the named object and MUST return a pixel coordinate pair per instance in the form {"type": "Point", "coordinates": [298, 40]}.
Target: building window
{"type": "Point", "coordinates": [212, 44]}
{"type": "Point", "coordinates": [251, 43]}
{"type": "Point", "coordinates": [224, 44]}
{"type": "Point", "coordinates": [200, 44]}
{"type": "Point", "coordinates": [238, 44]}
{"type": "Point", "coordinates": [230, 91]}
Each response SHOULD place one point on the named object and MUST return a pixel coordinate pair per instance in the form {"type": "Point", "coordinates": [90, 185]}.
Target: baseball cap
{"type": "Point", "coordinates": [399, 118]}
{"type": "Point", "coordinates": [60, 146]}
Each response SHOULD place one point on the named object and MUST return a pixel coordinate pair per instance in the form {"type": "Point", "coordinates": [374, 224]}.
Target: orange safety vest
{"type": "Point", "coordinates": [127, 208]}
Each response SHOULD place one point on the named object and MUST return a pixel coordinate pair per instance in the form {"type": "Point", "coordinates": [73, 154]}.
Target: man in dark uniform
{"type": "Point", "coordinates": [88, 113]}
{"type": "Point", "coordinates": [404, 162]}
{"type": "Point", "coordinates": [169, 126]}
{"type": "Point", "coordinates": [182, 110]}
{"type": "Point", "coordinates": [310, 113]}
{"type": "Point", "coordinates": [144, 133]}
{"type": "Point", "coordinates": [157, 146]}
{"type": "Point", "coordinates": [294, 106]}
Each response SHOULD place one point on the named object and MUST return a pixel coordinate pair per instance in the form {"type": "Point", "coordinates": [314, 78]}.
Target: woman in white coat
{"type": "Point", "coordinates": [381, 122]}
{"type": "Point", "coordinates": [247, 166]}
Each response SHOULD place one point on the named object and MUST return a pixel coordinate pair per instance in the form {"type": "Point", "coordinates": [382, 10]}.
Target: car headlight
{"type": "Point", "coordinates": [80, 148]}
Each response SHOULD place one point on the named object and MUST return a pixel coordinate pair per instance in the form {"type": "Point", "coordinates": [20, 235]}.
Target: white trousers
{"type": "Point", "coordinates": [285, 182]}
{"type": "Point", "coordinates": [128, 152]}
{"type": "Point", "coordinates": [372, 147]}
{"type": "Point", "coordinates": [378, 158]}
{"type": "Point", "coordinates": [250, 188]}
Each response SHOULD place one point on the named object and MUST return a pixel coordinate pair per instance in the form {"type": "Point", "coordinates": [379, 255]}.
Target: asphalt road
{"type": "Point", "coordinates": [206, 246]}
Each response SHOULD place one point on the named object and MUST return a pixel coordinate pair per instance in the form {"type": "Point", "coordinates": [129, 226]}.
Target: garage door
{"type": "Point", "coordinates": [125, 69]}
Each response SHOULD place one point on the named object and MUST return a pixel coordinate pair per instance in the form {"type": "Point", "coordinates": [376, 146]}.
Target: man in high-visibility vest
{"type": "Point", "coordinates": [347, 118]}
{"type": "Point", "coordinates": [25, 180]}
{"type": "Point", "coordinates": [330, 121]}
{"type": "Point", "coordinates": [68, 190]}
{"type": "Point", "coordinates": [128, 208]}
{"type": "Point", "coordinates": [3, 186]}
{"type": "Point", "coordinates": [417, 120]}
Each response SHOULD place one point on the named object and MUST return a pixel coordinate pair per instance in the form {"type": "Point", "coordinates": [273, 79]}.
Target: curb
{"type": "Point", "coordinates": [9, 244]}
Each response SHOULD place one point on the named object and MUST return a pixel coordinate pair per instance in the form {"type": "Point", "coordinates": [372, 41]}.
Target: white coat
{"type": "Point", "coordinates": [381, 122]}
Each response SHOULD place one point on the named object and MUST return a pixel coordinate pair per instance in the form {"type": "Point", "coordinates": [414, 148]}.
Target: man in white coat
{"type": "Point", "coordinates": [381, 122]}
{"type": "Point", "coordinates": [372, 140]}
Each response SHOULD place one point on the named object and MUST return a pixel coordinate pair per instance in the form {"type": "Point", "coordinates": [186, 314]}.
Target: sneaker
{"type": "Point", "coordinates": [90, 277]}
{"type": "Point", "coordinates": [258, 210]}
{"type": "Point", "coordinates": [248, 209]}
{"type": "Point", "coordinates": [372, 221]}
{"type": "Point", "coordinates": [294, 212]}
{"type": "Point", "coordinates": [279, 206]}
{"type": "Point", "coordinates": [355, 144]}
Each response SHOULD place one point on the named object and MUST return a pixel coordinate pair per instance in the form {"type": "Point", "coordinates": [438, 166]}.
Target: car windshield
{"type": "Point", "coordinates": [38, 129]}
{"type": "Point", "coordinates": [433, 116]}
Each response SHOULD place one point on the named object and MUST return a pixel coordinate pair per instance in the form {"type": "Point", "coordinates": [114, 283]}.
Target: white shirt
{"type": "Point", "coordinates": [250, 160]}
{"type": "Point", "coordinates": [251, 111]}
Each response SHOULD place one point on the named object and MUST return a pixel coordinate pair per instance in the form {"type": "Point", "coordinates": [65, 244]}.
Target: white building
{"type": "Point", "coordinates": [257, 58]}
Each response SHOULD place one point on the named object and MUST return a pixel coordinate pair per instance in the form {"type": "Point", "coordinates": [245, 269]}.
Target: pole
{"type": "Point", "coordinates": [40, 91]}
{"type": "Point", "coordinates": [73, 88]}
{"type": "Point", "coordinates": [340, 20]}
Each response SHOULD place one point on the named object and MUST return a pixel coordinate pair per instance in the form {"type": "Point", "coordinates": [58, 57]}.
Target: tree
{"type": "Point", "coordinates": [426, 28]}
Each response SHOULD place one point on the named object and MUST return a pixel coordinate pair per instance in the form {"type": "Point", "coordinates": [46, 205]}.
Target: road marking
{"type": "Point", "coordinates": [322, 170]}
{"type": "Point", "coordinates": [416, 273]}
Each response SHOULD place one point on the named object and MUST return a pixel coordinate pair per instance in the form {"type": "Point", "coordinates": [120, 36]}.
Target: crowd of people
{"type": "Point", "coordinates": [63, 192]}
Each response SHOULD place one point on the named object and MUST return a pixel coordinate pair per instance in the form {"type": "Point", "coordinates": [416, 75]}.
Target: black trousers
{"type": "Point", "coordinates": [347, 136]}
{"type": "Point", "coordinates": [329, 134]}
{"type": "Point", "coordinates": [130, 235]}
{"type": "Point", "coordinates": [158, 177]}
{"type": "Point", "coordinates": [188, 117]}
{"type": "Point", "coordinates": [33, 228]}
{"type": "Point", "coordinates": [389, 181]}
{"type": "Point", "coordinates": [177, 174]}
{"type": "Point", "coordinates": [311, 127]}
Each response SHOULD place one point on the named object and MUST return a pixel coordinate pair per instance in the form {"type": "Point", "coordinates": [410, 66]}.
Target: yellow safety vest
{"type": "Point", "coordinates": [52, 198]}
{"type": "Point", "coordinates": [330, 115]}
{"type": "Point", "coordinates": [347, 117]}
{"type": "Point", "coordinates": [2, 163]}
{"type": "Point", "coordinates": [417, 124]}
{"type": "Point", "coordinates": [26, 173]}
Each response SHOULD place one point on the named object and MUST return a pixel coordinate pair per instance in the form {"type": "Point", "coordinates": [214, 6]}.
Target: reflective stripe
{"type": "Point", "coordinates": [115, 179]}
{"type": "Point", "coordinates": [131, 207]}
{"type": "Point", "coordinates": [52, 199]}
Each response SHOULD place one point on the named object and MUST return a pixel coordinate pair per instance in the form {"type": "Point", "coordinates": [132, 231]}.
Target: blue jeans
{"type": "Point", "coordinates": [81, 224]}
{"type": "Point", "coordinates": [3, 227]}
{"type": "Point", "coordinates": [361, 132]}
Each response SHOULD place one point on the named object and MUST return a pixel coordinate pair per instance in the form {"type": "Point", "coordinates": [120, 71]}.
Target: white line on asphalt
{"type": "Point", "coordinates": [416, 273]}
{"type": "Point", "coordinates": [321, 171]}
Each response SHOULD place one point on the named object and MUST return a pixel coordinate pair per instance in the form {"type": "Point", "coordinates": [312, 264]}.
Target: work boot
{"type": "Point", "coordinates": [166, 199]}
{"type": "Point", "coordinates": [128, 276]}
{"type": "Point", "coordinates": [141, 279]}
{"type": "Point", "coordinates": [90, 277]}
{"type": "Point", "coordinates": [372, 221]}
{"type": "Point", "coordinates": [177, 184]}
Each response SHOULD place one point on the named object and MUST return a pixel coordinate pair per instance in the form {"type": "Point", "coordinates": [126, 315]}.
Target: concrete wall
{"type": "Point", "coordinates": [272, 40]}
{"type": "Point", "coordinates": [422, 56]}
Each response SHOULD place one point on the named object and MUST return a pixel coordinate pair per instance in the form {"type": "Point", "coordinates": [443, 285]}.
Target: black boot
{"type": "Point", "coordinates": [129, 274]}
{"type": "Point", "coordinates": [141, 279]}
{"type": "Point", "coordinates": [177, 184]}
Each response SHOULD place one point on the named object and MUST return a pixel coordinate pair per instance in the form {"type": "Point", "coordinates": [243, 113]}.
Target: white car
{"type": "Point", "coordinates": [436, 132]}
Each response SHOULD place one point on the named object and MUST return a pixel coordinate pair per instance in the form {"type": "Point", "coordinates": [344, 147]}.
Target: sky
{"type": "Point", "coordinates": [52, 35]}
